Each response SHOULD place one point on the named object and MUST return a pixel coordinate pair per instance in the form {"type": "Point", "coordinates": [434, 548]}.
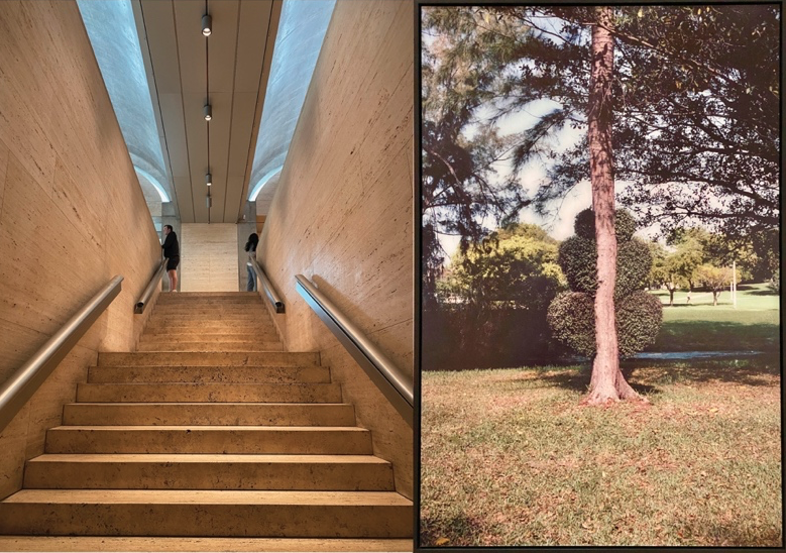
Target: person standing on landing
{"type": "Point", "coordinates": [251, 248]}
{"type": "Point", "coordinates": [172, 253]}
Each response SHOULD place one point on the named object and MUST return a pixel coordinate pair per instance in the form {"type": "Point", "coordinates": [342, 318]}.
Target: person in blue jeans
{"type": "Point", "coordinates": [251, 248]}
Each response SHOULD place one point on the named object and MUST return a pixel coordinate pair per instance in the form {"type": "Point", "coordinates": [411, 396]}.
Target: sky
{"type": "Point", "coordinates": [559, 223]}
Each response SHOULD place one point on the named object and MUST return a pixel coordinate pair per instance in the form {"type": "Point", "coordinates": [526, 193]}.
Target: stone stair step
{"type": "Point", "coordinates": [209, 439]}
{"type": "Point", "coordinates": [207, 513]}
{"type": "Point", "coordinates": [208, 472]}
{"type": "Point", "coordinates": [174, 318]}
{"type": "Point", "coordinates": [209, 392]}
{"type": "Point", "coordinates": [228, 335]}
{"type": "Point", "coordinates": [213, 309]}
{"type": "Point", "coordinates": [176, 345]}
{"type": "Point", "coordinates": [225, 359]}
{"type": "Point", "coordinates": [198, 375]}
{"type": "Point", "coordinates": [191, 295]}
{"type": "Point", "coordinates": [250, 328]}
{"type": "Point", "coordinates": [191, 544]}
{"type": "Point", "coordinates": [209, 414]}
{"type": "Point", "coordinates": [210, 302]}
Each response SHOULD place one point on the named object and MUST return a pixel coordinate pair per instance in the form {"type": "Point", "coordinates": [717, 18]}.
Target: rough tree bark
{"type": "Point", "coordinates": [607, 382]}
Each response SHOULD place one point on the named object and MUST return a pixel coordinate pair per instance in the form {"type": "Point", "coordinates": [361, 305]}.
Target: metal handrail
{"type": "Point", "coordinates": [29, 377]}
{"type": "Point", "coordinates": [395, 385]}
{"type": "Point", "coordinates": [139, 308]}
{"type": "Point", "coordinates": [270, 292]}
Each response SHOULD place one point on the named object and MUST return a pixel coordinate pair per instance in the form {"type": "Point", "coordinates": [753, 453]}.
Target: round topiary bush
{"type": "Point", "coordinates": [624, 225]}
{"type": "Point", "coordinates": [634, 261]}
{"type": "Point", "coordinates": [584, 224]}
{"type": "Point", "coordinates": [571, 318]}
{"type": "Point", "coordinates": [578, 258]}
{"type": "Point", "coordinates": [639, 316]}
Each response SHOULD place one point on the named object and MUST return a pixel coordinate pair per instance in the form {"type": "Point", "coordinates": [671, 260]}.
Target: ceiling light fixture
{"type": "Point", "coordinates": [208, 112]}
{"type": "Point", "coordinates": [207, 24]}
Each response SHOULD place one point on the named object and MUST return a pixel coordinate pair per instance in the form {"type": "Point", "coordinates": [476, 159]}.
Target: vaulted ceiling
{"type": "Point", "coordinates": [228, 70]}
{"type": "Point", "coordinates": [161, 71]}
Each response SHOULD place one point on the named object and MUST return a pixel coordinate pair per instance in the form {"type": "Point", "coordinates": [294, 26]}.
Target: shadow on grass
{"type": "Point", "coordinates": [735, 535]}
{"type": "Point", "coordinates": [460, 530]}
{"type": "Point", "coordinates": [716, 336]}
{"type": "Point", "coordinates": [649, 378]}
{"type": "Point", "coordinates": [578, 381]}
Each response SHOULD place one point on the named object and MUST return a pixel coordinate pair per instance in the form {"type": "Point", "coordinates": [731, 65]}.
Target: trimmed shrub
{"type": "Point", "coordinates": [584, 224]}
{"type": "Point", "coordinates": [578, 258]}
{"type": "Point", "coordinates": [460, 337]}
{"type": "Point", "coordinates": [638, 317]}
{"type": "Point", "coordinates": [571, 316]}
{"type": "Point", "coordinates": [624, 225]}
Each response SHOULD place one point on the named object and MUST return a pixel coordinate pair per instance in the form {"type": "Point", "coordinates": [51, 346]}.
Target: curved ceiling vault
{"type": "Point", "coordinates": [160, 71]}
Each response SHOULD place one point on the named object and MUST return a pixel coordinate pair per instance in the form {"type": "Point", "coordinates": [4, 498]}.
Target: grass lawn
{"type": "Point", "coordinates": [700, 326]}
{"type": "Point", "coordinates": [509, 457]}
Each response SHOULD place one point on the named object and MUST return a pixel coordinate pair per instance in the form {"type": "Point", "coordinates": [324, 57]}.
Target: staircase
{"type": "Point", "coordinates": [210, 429]}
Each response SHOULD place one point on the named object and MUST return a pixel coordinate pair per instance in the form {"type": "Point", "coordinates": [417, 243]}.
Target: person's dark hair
{"type": "Point", "coordinates": [169, 227]}
{"type": "Point", "coordinates": [253, 240]}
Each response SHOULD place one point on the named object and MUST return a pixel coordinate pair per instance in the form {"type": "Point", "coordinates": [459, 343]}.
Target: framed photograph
{"type": "Point", "coordinates": [600, 312]}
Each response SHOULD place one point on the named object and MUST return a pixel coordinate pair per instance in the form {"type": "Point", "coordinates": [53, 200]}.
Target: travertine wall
{"type": "Point", "coordinates": [342, 214]}
{"type": "Point", "coordinates": [72, 214]}
{"type": "Point", "coordinates": [208, 257]}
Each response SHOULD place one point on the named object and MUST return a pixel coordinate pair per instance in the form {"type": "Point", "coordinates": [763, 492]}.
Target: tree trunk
{"type": "Point", "coordinates": [607, 382]}
{"type": "Point", "coordinates": [671, 296]}
{"type": "Point", "coordinates": [714, 297]}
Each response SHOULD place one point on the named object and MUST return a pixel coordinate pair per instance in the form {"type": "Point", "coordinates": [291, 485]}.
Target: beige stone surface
{"type": "Point", "coordinates": [209, 374]}
{"type": "Point", "coordinates": [208, 439]}
{"type": "Point", "coordinates": [214, 392]}
{"type": "Point", "coordinates": [104, 543]}
{"type": "Point", "coordinates": [210, 472]}
{"type": "Point", "coordinates": [208, 257]}
{"type": "Point", "coordinates": [342, 214]}
{"type": "Point", "coordinates": [196, 359]}
{"type": "Point", "coordinates": [181, 345]}
{"type": "Point", "coordinates": [231, 443]}
{"type": "Point", "coordinates": [208, 513]}
{"type": "Point", "coordinates": [209, 414]}
{"type": "Point", "coordinates": [72, 214]}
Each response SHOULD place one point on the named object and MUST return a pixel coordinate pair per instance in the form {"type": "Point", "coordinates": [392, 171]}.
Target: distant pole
{"type": "Point", "coordinates": [734, 283]}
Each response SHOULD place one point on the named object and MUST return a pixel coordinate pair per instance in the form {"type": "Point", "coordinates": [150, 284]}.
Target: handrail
{"type": "Point", "coordinates": [278, 305]}
{"type": "Point", "coordinates": [390, 379]}
{"type": "Point", "coordinates": [139, 308]}
{"type": "Point", "coordinates": [21, 386]}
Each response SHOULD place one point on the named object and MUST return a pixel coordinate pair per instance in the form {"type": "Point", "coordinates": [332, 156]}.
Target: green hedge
{"type": "Point", "coordinates": [624, 225]}
{"type": "Point", "coordinates": [571, 316]}
{"type": "Point", "coordinates": [638, 317]}
{"type": "Point", "coordinates": [578, 258]}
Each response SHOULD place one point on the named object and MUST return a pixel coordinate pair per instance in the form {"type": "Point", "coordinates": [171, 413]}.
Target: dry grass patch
{"type": "Point", "coordinates": [509, 457]}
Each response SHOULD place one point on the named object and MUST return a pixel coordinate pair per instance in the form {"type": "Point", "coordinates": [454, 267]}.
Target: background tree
{"type": "Point", "coordinates": [515, 266]}
{"type": "Point", "coordinates": [494, 300]}
{"type": "Point", "coordinates": [696, 98]}
{"type": "Point", "coordinates": [716, 279]}
{"type": "Point", "coordinates": [458, 191]}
